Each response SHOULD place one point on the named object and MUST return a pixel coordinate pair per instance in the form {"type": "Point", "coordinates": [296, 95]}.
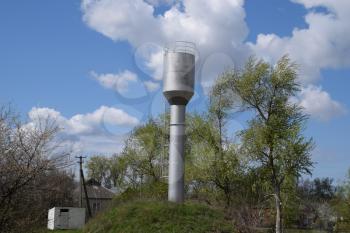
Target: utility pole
{"type": "Point", "coordinates": [80, 180]}
{"type": "Point", "coordinates": [82, 184]}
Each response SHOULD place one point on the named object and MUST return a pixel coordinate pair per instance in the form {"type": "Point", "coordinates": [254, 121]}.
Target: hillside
{"type": "Point", "coordinates": [156, 216]}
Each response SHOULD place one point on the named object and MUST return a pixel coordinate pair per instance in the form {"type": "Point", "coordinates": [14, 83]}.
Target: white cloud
{"type": "Point", "coordinates": [215, 64]}
{"type": "Point", "coordinates": [122, 20]}
{"type": "Point", "coordinates": [44, 113]}
{"type": "Point", "coordinates": [215, 26]}
{"type": "Point", "coordinates": [319, 103]}
{"type": "Point", "coordinates": [151, 86]}
{"type": "Point", "coordinates": [161, 2]}
{"type": "Point", "coordinates": [89, 123]}
{"type": "Point", "coordinates": [324, 44]}
{"type": "Point", "coordinates": [100, 144]}
{"type": "Point", "coordinates": [155, 64]}
{"type": "Point", "coordinates": [89, 131]}
{"type": "Point", "coordinates": [118, 82]}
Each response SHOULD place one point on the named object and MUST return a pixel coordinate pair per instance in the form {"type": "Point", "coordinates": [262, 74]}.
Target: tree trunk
{"type": "Point", "coordinates": [228, 198]}
{"type": "Point", "coordinates": [278, 204]}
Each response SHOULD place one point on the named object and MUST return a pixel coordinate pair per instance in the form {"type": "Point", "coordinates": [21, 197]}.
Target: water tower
{"type": "Point", "coordinates": [179, 73]}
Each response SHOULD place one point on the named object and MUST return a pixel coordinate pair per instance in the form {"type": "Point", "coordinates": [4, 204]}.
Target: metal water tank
{"type": "Point", "coordinates": [179, 72]}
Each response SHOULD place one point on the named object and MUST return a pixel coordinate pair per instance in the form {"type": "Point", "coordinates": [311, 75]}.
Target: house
{"type": "Point", "coordinates": [99, 196]}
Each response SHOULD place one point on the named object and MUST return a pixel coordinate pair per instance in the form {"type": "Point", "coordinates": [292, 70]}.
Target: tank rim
{"type": "Point", "coordinates": [182, 47]}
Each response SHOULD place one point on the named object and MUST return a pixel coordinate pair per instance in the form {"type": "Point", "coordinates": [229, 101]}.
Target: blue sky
{"type": "Point", "coordinates": [96, 65]}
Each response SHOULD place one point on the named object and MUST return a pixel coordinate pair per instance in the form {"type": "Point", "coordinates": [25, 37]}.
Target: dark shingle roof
{"type": "Point", "coordinates": [95, 190]}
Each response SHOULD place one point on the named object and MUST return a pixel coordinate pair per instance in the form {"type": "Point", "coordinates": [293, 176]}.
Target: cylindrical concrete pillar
{"type": "Point", "coordinates": [176, 153]}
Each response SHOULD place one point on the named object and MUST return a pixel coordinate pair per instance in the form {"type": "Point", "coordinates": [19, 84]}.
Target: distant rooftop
{"type": "Point", "coordinates": [95, 190]}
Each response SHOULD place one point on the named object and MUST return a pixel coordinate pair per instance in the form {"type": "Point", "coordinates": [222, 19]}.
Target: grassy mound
{"type": "Point", "coordinates": [159, 216]}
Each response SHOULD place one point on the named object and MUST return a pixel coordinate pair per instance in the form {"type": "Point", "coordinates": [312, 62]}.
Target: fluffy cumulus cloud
{"type": "Point", "coordinates": [324, 44]}
{"type": "Point", "coordinates": [214, 26]}
{"type": "Point", "coordinates": [319, 104]}
{"type": "Point", "coordinates": [89, 131]}
{"type": "Point", "coordinates": [155, 64]}
{"type": "Point", "coordinates": [151, 86]}
{"type": "Point", "coordinates": [219, 30]}
{"type": "Point", "coordinates": [122, 20]}
{"type": "Point", "coordinates": [118, 82]}
{"type": "Point", "coordinates": [161, 2]}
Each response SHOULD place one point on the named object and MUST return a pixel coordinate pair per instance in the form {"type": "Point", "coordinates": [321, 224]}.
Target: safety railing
{"type": "Point", "coordinates": [182, 47]}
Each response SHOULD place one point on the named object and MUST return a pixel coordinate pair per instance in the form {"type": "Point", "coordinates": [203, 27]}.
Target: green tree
{"type": "Point", "coordinates": [98, 168]}
{"type": "Point", "coordinates": [273, 138]}
{"type": "Point", "coordinates": [219, 175]}
{"type": "Point", "coordinates": [108, 171]}
{"type": "Point", "coordinates": [118, 169]}
{"type": "Point", "coordinates": [31, 181]}
{"type": "Point", "coordinates": [144, 151]}
{"type": "Point", "coordinates": [342, 205]}
{"type": "Point", "coordinates": [142, 159]}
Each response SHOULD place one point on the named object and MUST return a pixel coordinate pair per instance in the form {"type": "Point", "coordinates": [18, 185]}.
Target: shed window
{"type": "Point", "coordinates": [96, 206]}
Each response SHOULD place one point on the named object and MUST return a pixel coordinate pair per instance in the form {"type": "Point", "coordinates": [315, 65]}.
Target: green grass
{"type": "Point", "coordinates": [262, 231]}
{"type": "Point", "coordinates": [159, 216]}
{"type": "Point", "coordinates": [59, 231]}
{"type": "Point", "coordinates": [304, 231]}
{"type": "Point", "coordinates": [294, 231]}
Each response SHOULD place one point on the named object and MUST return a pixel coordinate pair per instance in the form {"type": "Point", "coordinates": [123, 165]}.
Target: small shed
{"type": "Point", "coordinates": [66, 218]}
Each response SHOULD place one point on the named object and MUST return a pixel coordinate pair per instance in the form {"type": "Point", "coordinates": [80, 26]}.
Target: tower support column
{"type": "Point", "coordinates": [176, 153]}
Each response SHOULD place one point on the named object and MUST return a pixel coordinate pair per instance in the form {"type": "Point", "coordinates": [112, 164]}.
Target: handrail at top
{"type": "Point", "coordinates": [182, 46]}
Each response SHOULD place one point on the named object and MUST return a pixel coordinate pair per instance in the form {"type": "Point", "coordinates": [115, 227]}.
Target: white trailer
{"type": "Point", "coordinates": [66, 218]}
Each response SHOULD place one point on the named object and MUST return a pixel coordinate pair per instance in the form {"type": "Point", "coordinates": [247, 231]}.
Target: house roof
{"type": "Point", "coordinates": [95, 190]}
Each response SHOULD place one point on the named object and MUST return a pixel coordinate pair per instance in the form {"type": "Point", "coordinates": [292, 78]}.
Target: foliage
{"type": "Point", "coordinates": [98, 168]}
{"type": "Point", "coordinates": [273, 139]}
{"type": "Point", "coordinates": [214, 166]}
{"type": "Point", "coordinates": [30, 158]}
{"type": "Point", "coordinates": [341, 204]}
{"type": "Point", "coordinates": [150, 191]}
{"type": "Point", "coordinates": [217, 174]}
{"type": "Point", "coordinates": [143, 151]}
{"type": "Point", "coordinates": [141, 160]}
{"type": "Point", "coordinates": [319, 190]}
{"type": "Point", "coordinates": [108, 171]}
